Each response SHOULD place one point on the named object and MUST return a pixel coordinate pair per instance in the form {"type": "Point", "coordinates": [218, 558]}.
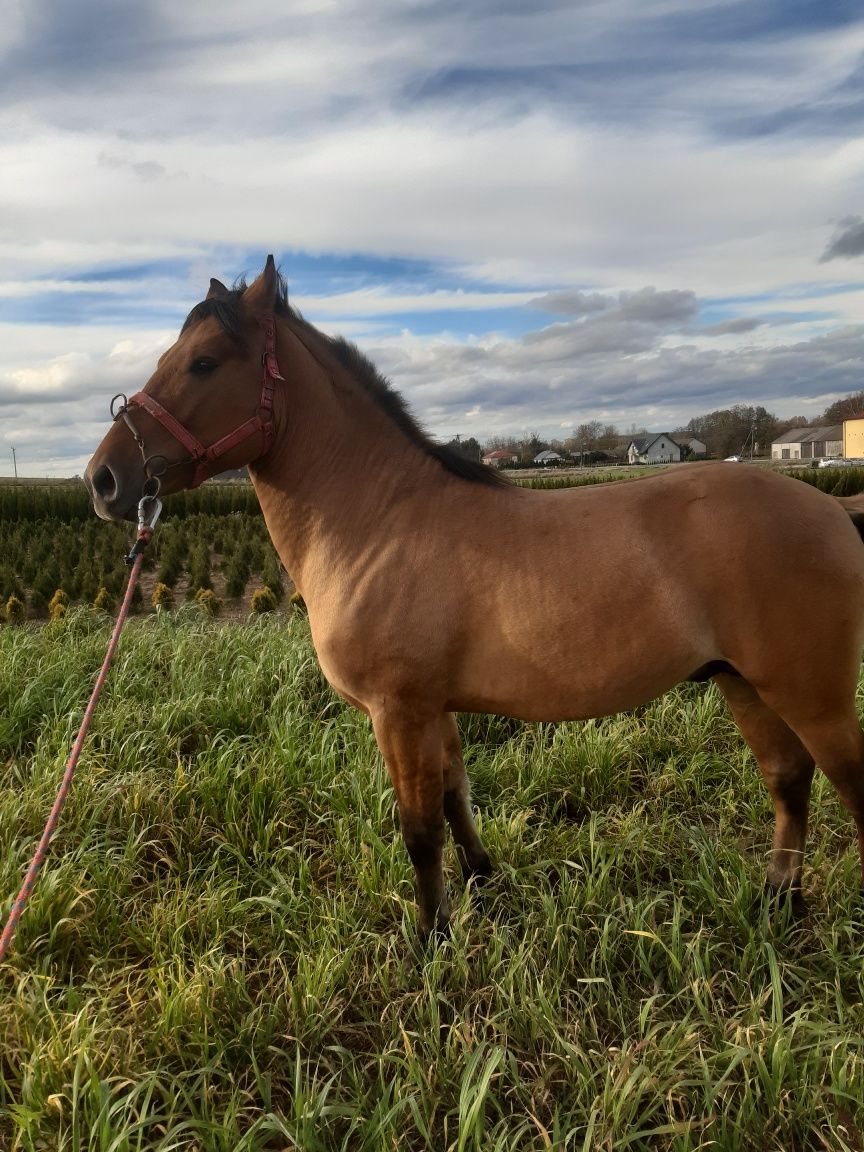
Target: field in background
{"type": "Point", "coordinates": [220, 955]}
{"type": "Point", "coordinates": [837, 481]}
{"type": "Point", "coordinates": [212, 538]}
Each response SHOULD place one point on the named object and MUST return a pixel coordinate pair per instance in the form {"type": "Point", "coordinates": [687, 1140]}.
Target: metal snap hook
{"type": "Point", "coordinates": [146, 527]}
{"type": "Point", "coordinates": [143, 521]}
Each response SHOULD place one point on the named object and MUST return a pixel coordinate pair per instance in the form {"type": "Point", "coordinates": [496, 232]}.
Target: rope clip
{"type": "Point", "coordinates": [143, 521]}
{"type": "Point", "coordinates": [146, 525]}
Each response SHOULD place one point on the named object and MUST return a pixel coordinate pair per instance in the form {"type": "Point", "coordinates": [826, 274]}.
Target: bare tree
{"type": "Point", "coordinates": [586, 437]}
{"type": "Point", "coordinates": [851, 405]}
{"type": "Point", "coordinates": [726, 431]}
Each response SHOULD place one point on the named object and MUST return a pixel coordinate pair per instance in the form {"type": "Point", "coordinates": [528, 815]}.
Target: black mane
{"type": "Point", "coordinates": [227, 309]}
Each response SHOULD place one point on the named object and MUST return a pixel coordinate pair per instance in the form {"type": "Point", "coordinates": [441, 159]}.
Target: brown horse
{"type": "Point", "coordinates": [435, 587]}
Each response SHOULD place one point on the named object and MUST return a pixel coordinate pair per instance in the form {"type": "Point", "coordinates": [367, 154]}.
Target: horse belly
{"type": "Point", "coordinates": [614, 649]}
{"type": "Point", "coordinates": [572, 692]}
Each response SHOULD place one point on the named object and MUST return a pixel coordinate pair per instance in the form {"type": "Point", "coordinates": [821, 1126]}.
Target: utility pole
{"type": "Point", "coordinates": [15, 465]}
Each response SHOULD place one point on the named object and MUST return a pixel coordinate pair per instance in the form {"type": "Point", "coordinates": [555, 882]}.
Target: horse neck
{"type": "Point", "coordinates": [338, 469]}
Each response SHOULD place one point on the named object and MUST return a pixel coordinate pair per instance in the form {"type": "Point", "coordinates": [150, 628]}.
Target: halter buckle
{"type": "Point", "coordinates": [271, 365]}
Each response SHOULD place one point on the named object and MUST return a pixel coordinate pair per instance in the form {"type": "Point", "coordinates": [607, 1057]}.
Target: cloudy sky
{"type": "Point", "coordinates": [527, 215]}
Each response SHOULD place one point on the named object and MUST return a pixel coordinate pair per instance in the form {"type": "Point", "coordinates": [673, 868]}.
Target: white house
{"type": "Point", "coordinates": [655, 448]}
{"type": "Point", "coordinates": [548, 457]}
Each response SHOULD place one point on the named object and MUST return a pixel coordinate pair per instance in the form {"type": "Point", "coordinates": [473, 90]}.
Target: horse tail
{"type": "Point", "coordinates": [854, 505]}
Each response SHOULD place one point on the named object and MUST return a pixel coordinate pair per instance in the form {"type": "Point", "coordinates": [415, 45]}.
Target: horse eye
{"type": "Point", "coordinates": [201, 365]}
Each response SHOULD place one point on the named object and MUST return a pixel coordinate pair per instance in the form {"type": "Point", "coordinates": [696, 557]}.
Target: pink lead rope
{"type": "Point", "coordinates": [145, 533]}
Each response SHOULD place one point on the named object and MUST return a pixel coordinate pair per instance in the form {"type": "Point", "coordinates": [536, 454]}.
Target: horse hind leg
{"type": "Point", "coordinates": [473, 857]}
{"type": "Point", "coordinates": [837, 745]}
{"type": "Point", "coordinates": [787, 768]}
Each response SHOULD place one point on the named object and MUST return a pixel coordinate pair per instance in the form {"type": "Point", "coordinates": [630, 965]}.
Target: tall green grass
{"type": "Point", "coordinates": [220, 954]}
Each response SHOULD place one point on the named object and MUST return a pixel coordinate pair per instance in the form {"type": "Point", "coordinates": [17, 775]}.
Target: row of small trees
{"type": "Point", "coordinates": [70, 502]}
{"type": "Point", "coordinates": [83, 559]}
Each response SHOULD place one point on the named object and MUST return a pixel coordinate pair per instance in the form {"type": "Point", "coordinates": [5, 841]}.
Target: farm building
{"type": "Point", "coordinates": [809, 443]}
{"type": "Point", "coordinates": [690, 446]}
{"type": "Point", "coordinates": [500, 458]}
{"type": "Point", "coordinates": [548, 457]}
{"type": "Point", "coordinates": [655, 448]}
{"type": "Point", "coordinates": [788, 446]}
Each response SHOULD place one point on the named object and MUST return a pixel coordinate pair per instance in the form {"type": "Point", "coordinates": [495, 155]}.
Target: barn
{"type": "Point", "coordinates": [809, 443]}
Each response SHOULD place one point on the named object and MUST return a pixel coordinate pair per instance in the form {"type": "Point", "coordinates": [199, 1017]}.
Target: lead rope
{"type": "Point", "coordinates": [146, 526]}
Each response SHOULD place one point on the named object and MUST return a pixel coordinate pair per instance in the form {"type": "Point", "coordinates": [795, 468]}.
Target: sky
{"type": "Point", "coordinates": [528, 216]}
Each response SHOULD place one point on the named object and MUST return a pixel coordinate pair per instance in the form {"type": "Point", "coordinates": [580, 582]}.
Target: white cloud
{"type": "Point", "coordinates": [533, 199]}
{"type": "Point", "coordinates": [576, 152]}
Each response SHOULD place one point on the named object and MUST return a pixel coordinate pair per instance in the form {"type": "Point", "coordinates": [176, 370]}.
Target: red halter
{"type": "Point", "coordinates": [202, 456]}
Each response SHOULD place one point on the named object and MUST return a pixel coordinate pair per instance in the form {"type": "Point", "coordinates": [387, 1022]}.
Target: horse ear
{"type": "Point", "coordinates": [217, 288]}
{"type": "Point", "coordinates": [260, 296]}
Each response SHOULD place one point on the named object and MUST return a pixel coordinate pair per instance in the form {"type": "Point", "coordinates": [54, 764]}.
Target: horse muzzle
{"type": "Point", "coordinates": [114, 497]}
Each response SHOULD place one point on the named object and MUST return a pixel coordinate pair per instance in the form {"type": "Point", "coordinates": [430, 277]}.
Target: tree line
{"type": "Point", "coordinates": [724, 432]}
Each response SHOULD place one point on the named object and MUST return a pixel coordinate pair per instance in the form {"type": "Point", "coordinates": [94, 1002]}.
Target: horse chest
{"type": "Point", "coordinates": [365, 662]}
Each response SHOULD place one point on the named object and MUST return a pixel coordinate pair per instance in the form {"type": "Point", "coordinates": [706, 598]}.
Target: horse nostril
{"type": "Point", "coordinates": [104, 484]}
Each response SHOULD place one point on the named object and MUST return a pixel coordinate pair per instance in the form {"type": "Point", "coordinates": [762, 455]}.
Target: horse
{"type": "Point", "coordinates": [436, 586]}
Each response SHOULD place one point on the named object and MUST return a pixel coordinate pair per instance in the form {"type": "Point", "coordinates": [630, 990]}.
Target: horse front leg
{"type": "Point", "coordinates": [413, 752]}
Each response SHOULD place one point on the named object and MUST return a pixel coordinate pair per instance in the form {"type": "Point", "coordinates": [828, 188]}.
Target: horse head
{"type": "Point", "coordinates": [208, 406]}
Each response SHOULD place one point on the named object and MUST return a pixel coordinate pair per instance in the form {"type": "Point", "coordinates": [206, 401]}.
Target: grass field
{"type": "Point", "coordinates": [221, 955]}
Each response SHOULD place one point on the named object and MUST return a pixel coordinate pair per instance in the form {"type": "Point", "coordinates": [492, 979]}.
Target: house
{"type": "Point", "coordinates": [691, 448]}
{"type": "Point", "coordinates": [655, 448]}
{"type": "Point", "coordinates": [548, 457]}
{"type": "Point", "coordinates": [500, 458]}
{"type": "Point", "coordinates": [811, 443]}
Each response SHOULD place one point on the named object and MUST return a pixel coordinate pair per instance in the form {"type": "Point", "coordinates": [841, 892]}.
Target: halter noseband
{"type": "Point", "coordinates": [200, 455]}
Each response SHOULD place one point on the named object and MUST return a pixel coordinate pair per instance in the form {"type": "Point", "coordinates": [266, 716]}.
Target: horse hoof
{"type": "Point", "coordinates": [434, 929]}
{"type": "Point", "coordinates": [780, 894]}
{"type": "Point", "coordinates": [479, 871]}
{"type": "Point", "coordinates": [428, 940]}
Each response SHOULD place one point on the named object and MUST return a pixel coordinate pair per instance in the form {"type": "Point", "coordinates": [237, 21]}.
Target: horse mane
{"type": "Point", "coordinates": [227, 310]}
